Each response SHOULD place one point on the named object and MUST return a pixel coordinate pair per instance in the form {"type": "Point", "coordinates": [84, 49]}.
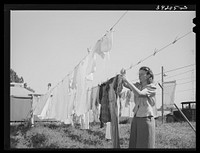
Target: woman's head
{"type": "Point", "coordinates": [146, 75]}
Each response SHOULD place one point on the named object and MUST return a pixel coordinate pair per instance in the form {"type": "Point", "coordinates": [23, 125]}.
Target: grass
{"type": "Point", "coordinates": [52, 135]}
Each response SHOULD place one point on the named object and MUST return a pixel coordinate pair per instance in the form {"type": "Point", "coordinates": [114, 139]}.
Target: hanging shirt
{"type": "Point", "coordinates": [104, 44]}
{"type": "Point", "coordinates": [62, 100]}
{"type": "Point", "coordinates": [146, 106]}
{"type": "Point", "coordinates": [81, 105]}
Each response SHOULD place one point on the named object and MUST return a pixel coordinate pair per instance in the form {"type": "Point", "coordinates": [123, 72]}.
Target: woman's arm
{"type": "Point", "coordinates": [133, 88]}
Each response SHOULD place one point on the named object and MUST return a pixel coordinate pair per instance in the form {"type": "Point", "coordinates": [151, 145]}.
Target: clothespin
{"type": "Point", "coordinates": [139, 62]}
{"type": "Point", "coordinates": [155, 51]}
{"type": "Point", "coordinates": [175, 40]}
{"type": "Point", "coordinates": [123, 72]}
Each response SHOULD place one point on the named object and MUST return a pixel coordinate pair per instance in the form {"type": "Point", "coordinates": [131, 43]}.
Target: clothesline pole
{"type": "Point", "coordinates": [162, 94]}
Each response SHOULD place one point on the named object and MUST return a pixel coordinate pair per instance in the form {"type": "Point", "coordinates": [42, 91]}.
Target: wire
{"type": "Point", "coordinates": [104, 34]}
{"type": "Point", "coordinates": [180, 74]}
{"type": "Point", "coordinates": [118, 20]}
{"type": "Point", "coordinates": [88, 54]}
{"type": "Point", "coordinates": [185, 90]}
{"type": "Point", "coordinates": [179, 68]}
{"type": "Point", "coordinates": [179, 91]}
{"type": "Point", "coordinates": [170, 70]}
{"type": "Point", "coordinates": [156, 51]}
{"type": "Point", "coordinates": [183, 78]}
{"type": "Point", "coordinates": [185, 82]}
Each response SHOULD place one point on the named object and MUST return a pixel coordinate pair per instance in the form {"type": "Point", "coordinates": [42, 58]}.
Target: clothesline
{"type": "Point", "coordinates": [156, 51]}
{"type": "Point", "coordinates": [103, 35]}
{"type": "Point", "coordinates": [89, 52]}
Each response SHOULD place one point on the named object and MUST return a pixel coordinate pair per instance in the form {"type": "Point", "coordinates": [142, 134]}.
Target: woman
{"type": "Point", "coordinates": [143, 123]}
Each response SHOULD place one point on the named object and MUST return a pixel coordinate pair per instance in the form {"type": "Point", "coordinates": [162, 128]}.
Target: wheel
{"type": "Point", "coordinates": [170, 119]}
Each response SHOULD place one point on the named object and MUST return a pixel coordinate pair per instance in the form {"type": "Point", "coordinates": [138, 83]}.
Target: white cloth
{"type": "Point", "coordinates": [104, 44]}
{"type": "Point", "coordinates": [108, 130]}
{"type": "Point", "coordinates": [52, 105]}
{"type": "Point", "coordinates": [80, 100]}
{"type": "Point", "coordinates": [169, 92]}
{"type": "Point", "coordinates": [40, 103]}
{"type": "Point", "coordinates": [43, 114]}
{"type": "Point", "coordinates": [84, 120]}
{"type": "Point", "coordinates": [63, 100]}
{"type": "Point", "coordinates": [91, 67]}
{"type": "Point", "coordinates": [71, 94]}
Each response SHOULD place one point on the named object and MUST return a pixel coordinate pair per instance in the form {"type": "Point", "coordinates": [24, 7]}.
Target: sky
{"type": "Point", "coordinates": [46, 46]}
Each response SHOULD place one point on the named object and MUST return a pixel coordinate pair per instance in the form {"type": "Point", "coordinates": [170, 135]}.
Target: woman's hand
{"type": "Point", "coordinates": [125, 82]}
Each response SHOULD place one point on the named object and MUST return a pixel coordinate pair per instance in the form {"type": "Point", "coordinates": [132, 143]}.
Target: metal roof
{"type": "Point", "coordinates": [17, 91]}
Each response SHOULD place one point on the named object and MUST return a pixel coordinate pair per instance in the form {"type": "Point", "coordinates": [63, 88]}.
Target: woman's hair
{"type": "Point", "coordinates": [149, 72]}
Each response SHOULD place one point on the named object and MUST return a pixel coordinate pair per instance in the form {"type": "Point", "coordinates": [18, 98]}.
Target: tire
{"type": "Point", "coordinates": [170, 119]}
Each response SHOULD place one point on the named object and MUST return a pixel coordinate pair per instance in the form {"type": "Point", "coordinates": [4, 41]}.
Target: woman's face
{"type": "Point", "coordinates": [142, 75]}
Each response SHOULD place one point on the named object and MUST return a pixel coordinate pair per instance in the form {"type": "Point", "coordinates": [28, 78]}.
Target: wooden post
{"type": "Point", "coordinates": [32, 116]}
{"type": "Point", "coordinates": [162, 94]}
{"type": "Point", "coordinates": [185, 117]}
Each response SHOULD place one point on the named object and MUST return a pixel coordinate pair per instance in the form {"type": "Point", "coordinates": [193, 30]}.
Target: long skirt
{"type": "Point", "coordinates": [142, 132]}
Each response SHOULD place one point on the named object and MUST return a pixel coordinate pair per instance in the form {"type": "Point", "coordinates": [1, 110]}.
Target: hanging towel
{"type": "Point", "coordinates": [169, 93]}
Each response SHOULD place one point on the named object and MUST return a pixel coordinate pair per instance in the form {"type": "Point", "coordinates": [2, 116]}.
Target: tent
{"type": "Point", "coordinates": [20, 103]}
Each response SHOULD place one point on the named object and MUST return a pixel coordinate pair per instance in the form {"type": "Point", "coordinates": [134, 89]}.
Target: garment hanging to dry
{"type": "Point", "coordinates": [109, 92]}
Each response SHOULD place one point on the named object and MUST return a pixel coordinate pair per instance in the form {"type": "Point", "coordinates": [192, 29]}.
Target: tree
{"type": "Point", "coordinates": [15, 78]}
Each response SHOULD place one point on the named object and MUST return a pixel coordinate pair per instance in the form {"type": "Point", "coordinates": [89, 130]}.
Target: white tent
{"type": "Point", "coordinates": [20, 103]}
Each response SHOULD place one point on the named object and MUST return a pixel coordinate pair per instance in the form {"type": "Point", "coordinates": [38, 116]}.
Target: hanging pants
{"type": "Point", "coordinates": [114, 124]}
